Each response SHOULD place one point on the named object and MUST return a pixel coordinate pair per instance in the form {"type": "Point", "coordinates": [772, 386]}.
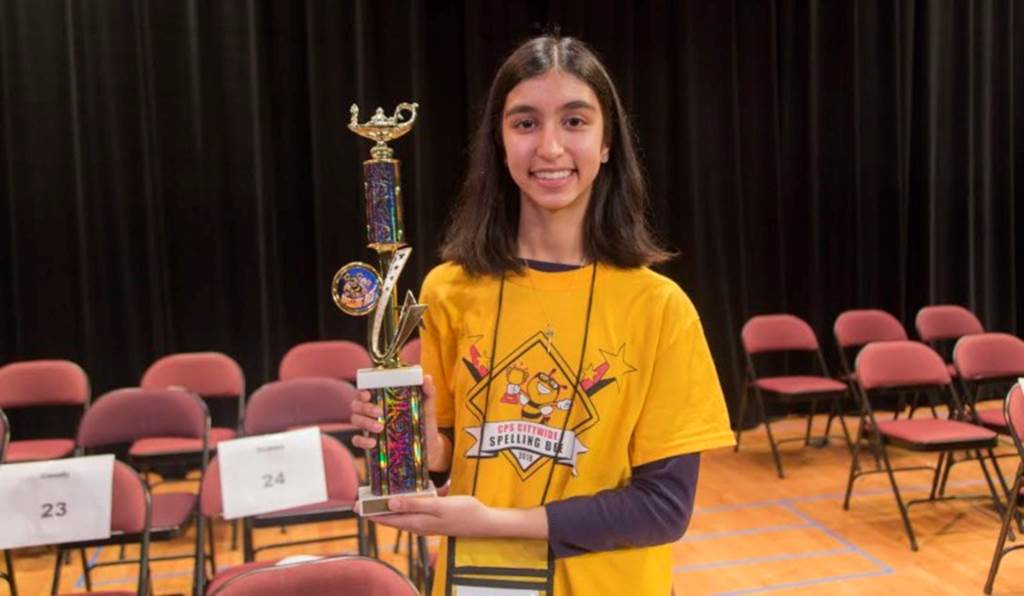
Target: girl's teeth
{"type": "Point", "coordinates": [553, 175]}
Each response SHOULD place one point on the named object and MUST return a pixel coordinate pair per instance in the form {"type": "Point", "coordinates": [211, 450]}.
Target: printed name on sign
{"type": "Point", "coordinates": [55, 502]}
{"type": "Point", "coordinates": [269, 473]}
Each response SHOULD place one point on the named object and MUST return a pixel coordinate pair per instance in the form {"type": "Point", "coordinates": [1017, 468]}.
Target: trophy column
{"type": "Point", "coordinates": [397, 466]}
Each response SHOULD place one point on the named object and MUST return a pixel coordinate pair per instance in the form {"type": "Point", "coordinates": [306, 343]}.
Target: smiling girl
{"type": "Point", "coordinates": [579, 483]}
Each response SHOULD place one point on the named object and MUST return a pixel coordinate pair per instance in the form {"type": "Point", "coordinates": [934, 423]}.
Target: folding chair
{"type": "Point", "coordinates": [334, 359]}
{"type": "Point", "coordinates": [44, 400]}
{"type": "Point", "coordinates": [341, 495]}
{"type": "Point", "coordinates": [300, 402]}
{"type": "Point", "coordinates": [987, 365]}
{"type": "Point", "coordinates": [130, 517]}
{"type": "Point", "coordinates": [783, 333]}
{"type": "Point", "coordinates": [125, 416]}
{"type": "Point", "coordinates": [8, 574]}
{"type": "Point", "coordinates": [352, 575]}
{"type": "Point", "coordinates": [940, 325]}
{"type": "Point", "coordinates": [911, 367]}
{"type": "Point", "coordinates": [213, 376]}
{"type": "Point", "coordinates": [270, 410]}
{"type": "Point", "coordinates": [853, 330]}
{"type": "Point", "coordinates": [1013, 411]}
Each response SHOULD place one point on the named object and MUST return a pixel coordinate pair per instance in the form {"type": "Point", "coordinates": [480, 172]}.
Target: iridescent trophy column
{"type": "Point", "coordinates": [398, 465]}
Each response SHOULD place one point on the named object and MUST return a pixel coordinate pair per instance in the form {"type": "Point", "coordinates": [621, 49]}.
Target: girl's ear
{"type": "Point", "coordinates": [604, 154]}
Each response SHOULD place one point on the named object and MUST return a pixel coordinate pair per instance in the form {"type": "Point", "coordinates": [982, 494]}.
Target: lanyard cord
{"type": "Point", "coordinates": [575, 382]}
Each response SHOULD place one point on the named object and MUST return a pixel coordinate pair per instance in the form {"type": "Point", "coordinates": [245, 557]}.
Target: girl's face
{"type": "Point", "coordinates": [552, 129]}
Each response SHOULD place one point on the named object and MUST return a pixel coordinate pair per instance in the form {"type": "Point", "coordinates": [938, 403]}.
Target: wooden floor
{"type": "Point", "coordinates": [751, 532]}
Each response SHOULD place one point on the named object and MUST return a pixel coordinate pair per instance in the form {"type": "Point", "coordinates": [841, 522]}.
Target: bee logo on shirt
{"type": "Point", "coordinates": [541, 398]}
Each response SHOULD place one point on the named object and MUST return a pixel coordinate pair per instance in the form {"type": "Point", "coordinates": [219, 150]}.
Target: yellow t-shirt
{"type": "Point", "coordinates": [648, 390]}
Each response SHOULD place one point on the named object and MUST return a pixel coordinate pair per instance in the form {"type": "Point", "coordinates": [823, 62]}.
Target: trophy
{"type": "Point", "coordinates": [397, 465]}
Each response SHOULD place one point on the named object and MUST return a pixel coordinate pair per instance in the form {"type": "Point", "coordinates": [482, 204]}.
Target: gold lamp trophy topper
{"type": "Point", "coordinates": [397, 465]}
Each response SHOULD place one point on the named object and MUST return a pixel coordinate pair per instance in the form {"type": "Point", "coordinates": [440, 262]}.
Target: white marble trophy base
{"type": "Point", "coordinates": [368, 504]}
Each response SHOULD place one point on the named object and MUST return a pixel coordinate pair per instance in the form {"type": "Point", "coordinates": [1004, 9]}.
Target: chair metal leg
{"type": "Point", "coordinates": [996, 501]}
{"type": "Point", "coordinates": [899, 500]}
{"type": "Point", "coordinates": [85, 569]}
{"type": "Point", "coordinates": [1004, 529]}
{"type": "Point", "coordinates": [768, 429]}
{"type": "Point", "coordinates": [9, 563]}
{"type": "Point", "coordinates": [810, 422]}
{"type": "Point", "coordinates": [950, 461]}
{"type": "Point", "coordinates": [213, 548]}
{"type": "Point", "coordinates": [742, 413]}
{"type": "Point", "coordinates": [248, 554]}
{"type": "Point", "coordinates": [935, 477]}
{"type": "Point", "coordinates": [57, 565]}
{"type": "Point", "coordinates": [854, 466]}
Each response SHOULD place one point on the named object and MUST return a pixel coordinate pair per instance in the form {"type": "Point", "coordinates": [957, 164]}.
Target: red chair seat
{"type": "Point", "coordinates": [172, 510]}
{"type": "Point", "coordinates": [797, 385]}
{"type": "Point", "coordinates": [38, 450]}
{"type": "Point", "coordinates": [993, 419]}
{"type": "Point", "coordinates": [933, 432]}
{"type": "Point", "coordinates": [328, 505]}
{"type": "Point", "coordinates": [171, 445]}
{"type": "Point", "coordinates": [229, 572]}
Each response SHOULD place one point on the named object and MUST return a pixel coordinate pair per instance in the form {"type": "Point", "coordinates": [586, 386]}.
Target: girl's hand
{"type": "Point", "coordinates": [367, 417]}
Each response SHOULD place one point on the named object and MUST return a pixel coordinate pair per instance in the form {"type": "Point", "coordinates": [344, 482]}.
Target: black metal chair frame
{"type": "Point", "coordinates": [750, 384]}
{"type": "Point", "coordinates": [1012, 506]}
{"type": "Point", "coordinates": [8, 574]}
{"type": "Point", "coordinates": [868, 426]}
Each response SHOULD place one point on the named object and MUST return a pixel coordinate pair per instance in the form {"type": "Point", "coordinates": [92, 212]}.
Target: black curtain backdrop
{"type": "Point", "coordinates": [177, 175]}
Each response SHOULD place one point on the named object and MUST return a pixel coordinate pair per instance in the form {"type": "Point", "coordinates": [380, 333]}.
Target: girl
{"type": "Point", "coordinates": [579, 482]}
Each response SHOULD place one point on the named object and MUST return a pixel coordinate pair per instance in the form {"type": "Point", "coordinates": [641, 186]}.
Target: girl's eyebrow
{"type": "Point", "coordinates": [577, 104]}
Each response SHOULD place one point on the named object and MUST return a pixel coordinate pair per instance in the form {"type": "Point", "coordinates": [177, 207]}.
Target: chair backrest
{"type": "Point", "coordinates": [946, 321]}
{"type": "Point", "coordinates": [333, 359]}
{"type": "Point", "coordinates": [43, 383]}
{"type": "Point", "coordinates": [989, 356]}
{"type": "Point", "coordinates": [855, 328]}
{"type": "Point", "coordinates": [410, 353]}
{"type": "Point", "coordinates": [130, 504]}
{"type": "Point", "coordinates": [209, 374]}
{"type": "Point", "coordinates": [347, 574]}
{"type": "Point", "coordinates": [282, 405]}
{"type": "Point", "coordinates": [898, 364]}
{"type": "Point", "coordinates": [126, 415]}
{"type": "Point", "coordinates": [5, 434]}
{"type": "Point", "coordinates": [1013, 410]}
{"type": "Point", "coordinates": [777, 333]}
{"type": "Point", "coordinates": [339, 468]}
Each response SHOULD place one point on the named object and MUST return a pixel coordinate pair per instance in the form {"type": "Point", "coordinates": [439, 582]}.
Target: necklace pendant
{"type": "Point", "coordinates": [549, 336]}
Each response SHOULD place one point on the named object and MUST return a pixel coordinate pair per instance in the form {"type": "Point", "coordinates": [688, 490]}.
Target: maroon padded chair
{"type": "Point", "coordinates": [50, 388]}
{"type": "Point", "coordinates": [125, 416]}
{"type": "Point", "coordinates": [342, 486]}
{"type": "Point", "coordinates": [343, 575]}
{"type": "Point", "coordinates": [216, 378]}
{"type": "Point", "coordinates": [912, 367]}
{"type": "Point", "coordinates": [939, 324]}
{"type": "Point", "coordinates": [301, 402]}
{"type": "Point", "coordinates": [130, 517]}
{"type": "Point", "coordinates": [338, 359]}
{"type": "Point", "coordinates": [1013, 411]}
{"type": "Point", "coordinates": [855, 329]}
{"type": "Point", "coordinates": [271, 410]}
{"type": "Point", "coordinates": [987, 365]}
{"type": "Point", "coordinates": [410, 353]}
{"type": "Point", "coordinates": [782, 333]}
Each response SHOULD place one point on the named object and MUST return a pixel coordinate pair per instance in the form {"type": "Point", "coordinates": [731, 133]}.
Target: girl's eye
{"type": "Point", "coordinates": [575, 121]}
{"type": "Point", "coordinates": [524, 124]}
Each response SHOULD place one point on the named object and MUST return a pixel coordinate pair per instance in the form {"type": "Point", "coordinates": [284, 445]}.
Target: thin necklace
{"type": "Point", "coordinates": [549, 330]}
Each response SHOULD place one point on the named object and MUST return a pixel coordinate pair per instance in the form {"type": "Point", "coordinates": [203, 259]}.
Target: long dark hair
{"type": "Point", "coordinates": [484, 227]}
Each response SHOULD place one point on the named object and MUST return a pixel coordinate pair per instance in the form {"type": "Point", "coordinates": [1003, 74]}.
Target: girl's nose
{"type": "Point", "coordinates": [550, 143]}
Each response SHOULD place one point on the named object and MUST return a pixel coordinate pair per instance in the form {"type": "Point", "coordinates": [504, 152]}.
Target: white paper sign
{"type": "Point", "coordinates": [271, 472]}
{"type": "Point", "coordinates": [55, 501]}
